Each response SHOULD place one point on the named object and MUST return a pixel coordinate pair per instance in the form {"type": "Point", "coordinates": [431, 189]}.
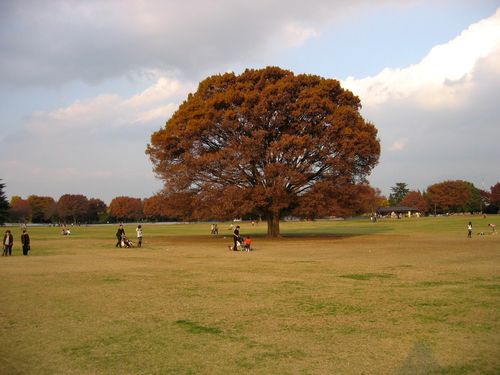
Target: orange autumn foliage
{"type": "Point", "coordinates": [126, 208]}
{"type": "Point", "coordinates": [264, 142]}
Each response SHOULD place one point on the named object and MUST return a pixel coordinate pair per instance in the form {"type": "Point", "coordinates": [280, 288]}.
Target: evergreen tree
{"type": "Point", "coordinates": [399, 192]}
{"type": "Point", "coordinates": [4, 205]}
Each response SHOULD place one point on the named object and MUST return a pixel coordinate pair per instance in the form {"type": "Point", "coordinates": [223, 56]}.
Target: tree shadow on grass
{"type": "Point", "coordinates": [335, 232]}
{"type": "Point", "coordinates": [420, 360]}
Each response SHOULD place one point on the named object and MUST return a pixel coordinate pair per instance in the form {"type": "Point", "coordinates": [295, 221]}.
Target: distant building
{"type": "Point", "coordinates": [398, 210]}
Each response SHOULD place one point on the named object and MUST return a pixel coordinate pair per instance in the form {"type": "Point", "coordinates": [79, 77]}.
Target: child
{"type": "Point", "coordinates": [139, 235]}
{"type": "Point", "coordinates": [247, 244]}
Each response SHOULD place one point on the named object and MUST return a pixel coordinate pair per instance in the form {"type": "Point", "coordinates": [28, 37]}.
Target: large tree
{"type": "Point", "coordinates": [73, 207]}
{"type": "Point", "coordinates": [97, 210]}
{"type": "Point", "coordinates": [495, 194]}
{"type": "Point", "coordinates": [126, 208]}
{"type": "Point", "coordinates": [454, 196]}
{"type": "Point", "coordinates": [415, 199]}
{"type": "Point", "coordinates": [20, 209]}
{"type": "Point", "coordinates": [398, 193]}
{"type": "Point", "coordinates": [43, 208]}
{"type": "Point", "coordinates": [262, 142]}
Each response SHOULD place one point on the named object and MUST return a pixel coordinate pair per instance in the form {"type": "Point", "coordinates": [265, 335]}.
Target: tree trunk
{"type": "Point", "coordinates": [273, 225]}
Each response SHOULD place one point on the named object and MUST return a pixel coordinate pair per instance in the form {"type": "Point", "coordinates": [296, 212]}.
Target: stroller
{"type": "Point", "coordinates": [239, 245]}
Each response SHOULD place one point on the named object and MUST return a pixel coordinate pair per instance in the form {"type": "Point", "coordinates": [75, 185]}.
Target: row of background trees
{"type": "Point", "coordinates": [447, 197]}
{"type": "Point", "coordinates": [444, 197]}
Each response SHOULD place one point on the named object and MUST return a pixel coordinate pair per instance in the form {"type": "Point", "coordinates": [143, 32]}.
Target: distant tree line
{"type": "Point", "coordinates": [78, 209]}
{"type": "Point", "coordinates": [456, 196]}
{"type": "Point", "coordinates": [440, 198]}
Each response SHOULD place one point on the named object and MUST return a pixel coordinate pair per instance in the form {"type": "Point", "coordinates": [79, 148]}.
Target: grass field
{"type": "Point", "coordinates": [411, 296]}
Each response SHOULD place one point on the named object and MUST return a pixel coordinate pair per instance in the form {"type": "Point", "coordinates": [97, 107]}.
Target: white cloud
{"type": "Point", "coordinates": [440, 78]}
{"type": "Point", "coordinates": [107, 111]}
{"type": "Point", "coordinates": [163, 89]}
{"type": "Point", "coordinates": [439, 119]}
{"type": "Point", "coordinates": [93, 146]}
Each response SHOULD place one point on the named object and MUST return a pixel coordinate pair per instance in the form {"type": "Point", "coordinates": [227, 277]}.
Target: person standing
{"type": "Point", "coordinates": [25, 240]}
{"type": "Point", "coordinates": [8, 240]}
{"type": "Point", "coordinates": [120, 233]}
{"type": "Point", "coordinates": [236, 237]}
{"type": "Point", "coordinates": [139, 235]}
{"type": "Point", "coordinates": [469, 230]}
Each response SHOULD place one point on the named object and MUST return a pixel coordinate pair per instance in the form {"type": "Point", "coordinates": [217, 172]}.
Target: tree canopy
{"type": "Point", "coordinates": [454, 196]}
{"type": "Point", "coordinates": [42, 208]}
{"type": "Point", "coordinates": [73, 206]}
{"type": "Point", "coordinates": [415, 199]}
{"type": "Point", "coordinates": [20, 209]}
{"type": "Point", "coordinates": [495, 194]}
{"type": "Point", "coordinates": [264, 142]}
{"type": "Point", "coordinates": [398, 193]}
{"type": "Point", "coordinates": [126, 208]}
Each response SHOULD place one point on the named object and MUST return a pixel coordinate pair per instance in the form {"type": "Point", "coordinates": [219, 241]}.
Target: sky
{"type": "Point", "coordinates": [84, 84]}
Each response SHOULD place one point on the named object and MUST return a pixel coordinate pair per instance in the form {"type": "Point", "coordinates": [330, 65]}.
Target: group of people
{"type": "Point", "coordinates": [8, 242]}
{"type": "Point", "coordinates": [492, 226]}
{"type": "Point", "coordinates": [123, 241]}
{"type": "Point", "coordinates": [240, 243]}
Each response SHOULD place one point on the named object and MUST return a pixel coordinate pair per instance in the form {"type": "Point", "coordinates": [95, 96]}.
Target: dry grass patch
{"type": "Point", "coordinates": [402, 300]}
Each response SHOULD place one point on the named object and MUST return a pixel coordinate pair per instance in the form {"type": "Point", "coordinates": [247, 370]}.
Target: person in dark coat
{"type": "Point", "coordinates": [8, 240]}
{"type": "Point", "coordinates": [120, 233]}
{"type": "Point", "coordinates": [236, 237]}
{"type": "Point", "coordinates": [25, 240]}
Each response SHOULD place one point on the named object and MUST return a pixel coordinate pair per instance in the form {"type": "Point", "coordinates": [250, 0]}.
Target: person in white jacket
{"type": "Point", "coordinates": [139, 235]}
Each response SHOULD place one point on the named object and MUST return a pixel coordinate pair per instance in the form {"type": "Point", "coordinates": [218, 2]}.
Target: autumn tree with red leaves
{"type": "Point", "coordinates": [415, 199]}
{"type": "Point", "coordinates": [20, 209]}
{"type": "Point", "coordinates": [495, 194]}
{"type": "Point", "coordinates": [154, 207]}
{"type": "Point", "coordinates": [126, 208]}
{"type": "Point", "coordinates": [454, 196]}
{"type": "Point", "coordinates": [264, 142]}
{"type": "Point", "coordinates": [350, 200]}
{"type": "Point", "coordinates": [73, 207]}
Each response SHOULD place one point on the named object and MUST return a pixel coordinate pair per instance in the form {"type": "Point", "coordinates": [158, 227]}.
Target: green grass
{"type": "Point", "coordinates": [368, 276]}
{"type": "Point", "coordinates": [331, 297]}
{"type": "Point", "coordinates": [197, 328]}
